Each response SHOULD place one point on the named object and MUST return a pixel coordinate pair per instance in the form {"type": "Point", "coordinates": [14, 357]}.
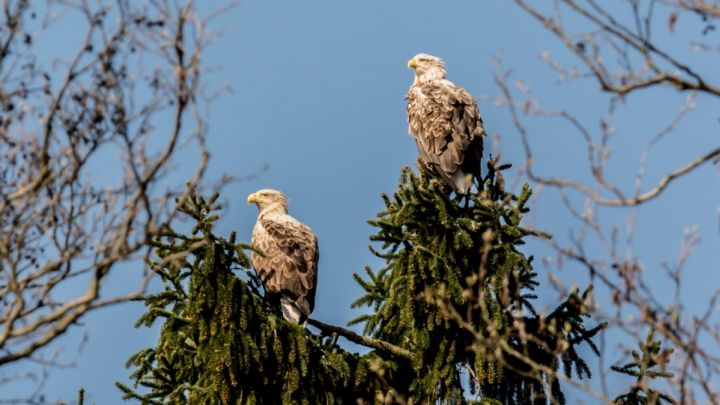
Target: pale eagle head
{"type": "Point", "coordinates": [427, 67]}
{"type": "Point", "coordinates": [269, 200]}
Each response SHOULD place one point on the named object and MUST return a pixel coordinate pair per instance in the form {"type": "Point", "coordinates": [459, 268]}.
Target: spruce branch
{"type": "Point", "coordinates": [649, 363]}
{"type": "Point", "coordinates": [363, 340]}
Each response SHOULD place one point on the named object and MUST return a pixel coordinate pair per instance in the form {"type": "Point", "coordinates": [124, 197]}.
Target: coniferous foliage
{"type": "Point", "coordinates": [220, 342]}
{"type": "Point", "coordinates": [457, 292]}
{"type": "Point", "coordinates": [644, 368]}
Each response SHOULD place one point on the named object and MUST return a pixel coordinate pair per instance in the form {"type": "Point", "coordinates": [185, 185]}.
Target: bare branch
{"type": "Point", "coordinates": [87, 153]}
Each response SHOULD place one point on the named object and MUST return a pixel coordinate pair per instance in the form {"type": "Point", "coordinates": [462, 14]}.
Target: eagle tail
{"type": "Point", "coordinates": [462, 181]}
{"type": "Point", "coordinates": [292, 313]}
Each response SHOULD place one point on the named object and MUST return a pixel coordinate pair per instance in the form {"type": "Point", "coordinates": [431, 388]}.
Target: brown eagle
{"type": "Point", "coordinates": [288, 264]}
{"type": "Point", "coordinates": [445, 122]}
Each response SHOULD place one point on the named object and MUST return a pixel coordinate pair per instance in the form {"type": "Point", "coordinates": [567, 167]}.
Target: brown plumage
{"type": "Point", "coordinates": [288, 265]}
{"type": "Point", "coordinates": [445, 122]}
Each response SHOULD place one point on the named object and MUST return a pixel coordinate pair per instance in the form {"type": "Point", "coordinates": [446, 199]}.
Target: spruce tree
{"type": "Point", "coordinates": [455, 294]}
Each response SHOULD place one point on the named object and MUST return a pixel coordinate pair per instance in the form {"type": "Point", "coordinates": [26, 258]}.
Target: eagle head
{"type": "Point", "coordinates": [427, 67]}
{"type": "Point", "coordinates": [268, 199]}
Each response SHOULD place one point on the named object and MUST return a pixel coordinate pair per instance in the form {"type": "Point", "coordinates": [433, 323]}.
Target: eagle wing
{"type": "Point", "coordinates": [289, 262]}
{"type": "Point", "coordinates": [445, 121]}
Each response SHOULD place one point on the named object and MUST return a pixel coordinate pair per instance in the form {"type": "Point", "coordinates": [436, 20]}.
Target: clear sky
{"type": "Point", "coordinates": [318, 91]}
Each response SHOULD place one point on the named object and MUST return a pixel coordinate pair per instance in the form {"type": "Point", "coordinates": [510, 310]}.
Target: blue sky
{"type": "Point", "coordinates": [317, 96]}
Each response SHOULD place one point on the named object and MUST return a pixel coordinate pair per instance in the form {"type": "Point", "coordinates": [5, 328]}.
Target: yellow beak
{"type": "Point", "coordinates": [252, 198]}
{"type": "Point", "coordinates": [412, 63]}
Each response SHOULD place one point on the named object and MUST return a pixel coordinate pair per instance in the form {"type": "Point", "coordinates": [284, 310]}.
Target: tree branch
{"type": "Point", "coordinates": [363, 340]}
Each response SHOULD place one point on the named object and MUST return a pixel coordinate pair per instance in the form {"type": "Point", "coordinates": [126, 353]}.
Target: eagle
{"type": "Point", "coordinates": [445, 122]}
{"type": "Point", "coordinates": [287, 261]}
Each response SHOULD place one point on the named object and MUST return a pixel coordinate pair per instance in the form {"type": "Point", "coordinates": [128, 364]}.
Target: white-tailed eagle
{"type": "Point", "coordinates": [445, 122]}
{"type": "Point", "coordinates": [288, 264]}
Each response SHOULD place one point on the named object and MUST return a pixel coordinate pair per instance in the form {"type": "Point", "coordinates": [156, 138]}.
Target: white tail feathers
{"type": "Point", "coordinates": [463, 182]}
{"type": "Point", "coordinates": [292, 313]}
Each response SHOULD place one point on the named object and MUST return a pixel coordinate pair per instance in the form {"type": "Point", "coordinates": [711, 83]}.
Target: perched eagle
{"type": "Point", "coordinates": [288, 264]}
{"type": "Point", "coordinates": [445, 122]}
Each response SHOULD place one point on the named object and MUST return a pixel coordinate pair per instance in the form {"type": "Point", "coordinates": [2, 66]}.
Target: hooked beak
{"type": "Point", "coordinates": [412, 63]}
{"type": "Point", "coordinates": [253, 198]}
